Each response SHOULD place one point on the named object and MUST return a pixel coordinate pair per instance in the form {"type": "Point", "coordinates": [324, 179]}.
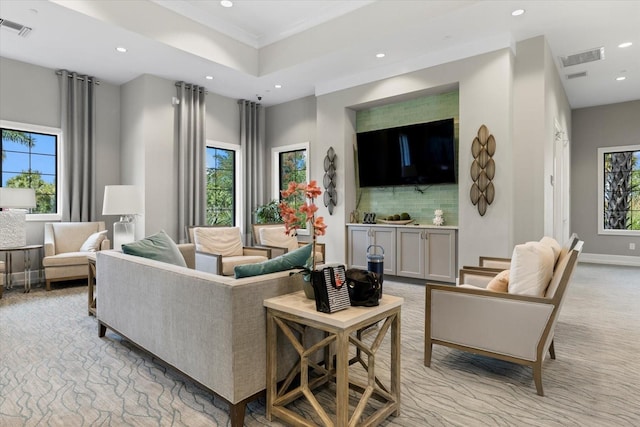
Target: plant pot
{"type": "Point", "coordinates": [308, 290]}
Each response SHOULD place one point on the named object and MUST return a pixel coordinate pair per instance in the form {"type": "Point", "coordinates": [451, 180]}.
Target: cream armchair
{"type": "Point", "coordinates": [274, 237]}
{"type": "Point", "coordinates": [220, 249]}
{"type": "Point", "coordinates": [512, 327]}
{"type": "Point", "coordinates": [66, 246]}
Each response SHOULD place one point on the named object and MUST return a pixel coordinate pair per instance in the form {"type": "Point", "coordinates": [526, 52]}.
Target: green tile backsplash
{"type": "Point", "coordinates": [420, 202]}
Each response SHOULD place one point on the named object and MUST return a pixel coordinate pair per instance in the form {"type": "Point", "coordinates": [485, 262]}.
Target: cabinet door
{"type": "Point", "coordinates": [411, 256]}
{"type": "Point", "coordinates": [357, 246]}
{"type": "Point", "coordinates": [385, 237]}
{"type": "Point", "coordinates": [441, 255]}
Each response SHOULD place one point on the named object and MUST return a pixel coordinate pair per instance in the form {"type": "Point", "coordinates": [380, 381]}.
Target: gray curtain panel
{"type": "Point", "coordinates": [77, 111]}
{"type": "Point", "coordinates": [253, 148]}
{"type": "Point", "coordinates": [191, 141]}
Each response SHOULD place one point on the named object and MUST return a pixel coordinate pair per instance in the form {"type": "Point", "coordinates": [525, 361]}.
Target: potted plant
{"type": "Point", "coordinates": [268, 213]}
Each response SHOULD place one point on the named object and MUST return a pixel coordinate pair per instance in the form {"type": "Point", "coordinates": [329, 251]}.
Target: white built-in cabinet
{"type": "Point", "coordinates": [362, 236]}
{"type": "Point", "coordinates": [410, 251]}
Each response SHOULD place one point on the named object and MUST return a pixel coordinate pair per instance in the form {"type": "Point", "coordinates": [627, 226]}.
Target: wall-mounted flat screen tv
{"type": "Point", "coordinates": [416, 154]}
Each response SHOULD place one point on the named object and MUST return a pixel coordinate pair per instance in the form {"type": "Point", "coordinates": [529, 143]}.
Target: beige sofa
{"type": "Point", "coordinates": [1, 277]}
{"type": "Point", "coordinates": [65, 258]}
{"type": "Point", "coordinates": [210, 327]}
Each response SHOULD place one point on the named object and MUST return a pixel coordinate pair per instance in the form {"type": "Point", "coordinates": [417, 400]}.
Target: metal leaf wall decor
{"type": "Point", "coordinates": [329, 180]}
{"type": "Point", "coordinates": [483, 170]}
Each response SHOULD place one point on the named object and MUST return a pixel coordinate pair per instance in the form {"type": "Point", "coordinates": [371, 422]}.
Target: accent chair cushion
{"type": "Point", "coordinates": [276, 236]}
{"type": "Point", "coordinates": [531, 269]}
{"type": "Point", "coordinates": [159, 247]}
{"type": "Point", "coordinates": [500, 283]}
{"type": "Point", "coordinates": [93, 242]}
{"type": "Point", "coordinates": [293, 259]}
{"type": "Point", "coordinates": [225, 241]}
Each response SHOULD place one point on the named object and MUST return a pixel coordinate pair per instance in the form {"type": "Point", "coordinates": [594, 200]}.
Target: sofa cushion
{"type": "Point", "coordinates": [277, 236]}
{"type": "Point", "coordinates": [531, 269]}
{"type": "Point", "coordinates": [69, 236]}
{"type": "Point", "coordinates": [500, 283]}
{"type": "Point", "coordinates": [94, 242]}
{"type": "Point", "coordinates": [292, 259]}
{"type": "Point", "coordinates": [225, 241]}
{"type": "Point", "coordinates": [159, 247]}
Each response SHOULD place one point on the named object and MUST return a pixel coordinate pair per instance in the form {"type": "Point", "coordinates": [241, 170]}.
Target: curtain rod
{"type": "Point", "coordinates": [81, 78]}
{"type": "Point", "coordinates": [189, 86]}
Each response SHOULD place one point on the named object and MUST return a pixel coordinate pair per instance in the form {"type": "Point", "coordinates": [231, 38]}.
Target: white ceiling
{"type": "Point", "coordinates": [316, 47]}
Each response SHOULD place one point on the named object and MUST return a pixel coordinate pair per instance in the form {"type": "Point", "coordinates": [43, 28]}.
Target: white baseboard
{"type": "Point", "coordinates": [633, 261]}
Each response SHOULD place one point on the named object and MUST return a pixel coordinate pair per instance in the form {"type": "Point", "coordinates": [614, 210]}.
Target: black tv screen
{"type": "Point", "coordinates": [417, 154]}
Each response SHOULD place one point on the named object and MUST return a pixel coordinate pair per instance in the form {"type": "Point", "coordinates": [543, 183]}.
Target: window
{"type": "Point", "coordinates": [619, 190]}
{"type": "Point", "coordinates": [222, 162]}
{"type": "Point", "coordinates": [290, 164]}
{"type": "Point", "coordinates": [30, 159]}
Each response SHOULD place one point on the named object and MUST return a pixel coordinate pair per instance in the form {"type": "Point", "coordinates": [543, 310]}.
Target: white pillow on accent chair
{"type": "Point", "coordinates": [93, 242]}
{"type": "Point", "coordinates": [531, 269]}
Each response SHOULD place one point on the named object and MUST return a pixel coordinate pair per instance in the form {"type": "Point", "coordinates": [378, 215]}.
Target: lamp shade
{"type": "Point", "coordinates": [121, 200]}
{"type": "Point", "coordinates": [17, 198]}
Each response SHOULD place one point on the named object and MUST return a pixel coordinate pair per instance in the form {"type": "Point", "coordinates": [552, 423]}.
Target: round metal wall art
{"type": "Point", "coordinates": [329, 181]}
{"type": "Point", "coordinates": [483, 169]}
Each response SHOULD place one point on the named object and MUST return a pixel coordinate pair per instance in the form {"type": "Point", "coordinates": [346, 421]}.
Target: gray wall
{"type": "Point", "coordinates": [594, 127]}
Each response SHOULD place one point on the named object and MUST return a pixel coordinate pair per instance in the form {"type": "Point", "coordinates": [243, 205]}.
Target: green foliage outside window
{"type": "Point", "coordinates": [220, 186]}
{"type": "Point", "coordinates": [293, 167]}
{"type": "Point", "coordinates": [622, 190]}
{"type": "Point", "coordinates": [29, 161]}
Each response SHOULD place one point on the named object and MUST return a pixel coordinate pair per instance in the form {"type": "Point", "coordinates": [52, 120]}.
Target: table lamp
{"type": "Point", "coordinates": [14, 202]}
{"type": "Point", "coordinates": [125, 201]}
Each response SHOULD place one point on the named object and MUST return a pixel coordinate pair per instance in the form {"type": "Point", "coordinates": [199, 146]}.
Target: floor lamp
{"type": "Point", "coordinates": [14, 202]}
{"type": "Point", "coordinates": [125, 201]}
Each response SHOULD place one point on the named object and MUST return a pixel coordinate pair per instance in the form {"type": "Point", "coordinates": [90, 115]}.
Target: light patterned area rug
{"type": "Point", "coordinates": [55, 371]}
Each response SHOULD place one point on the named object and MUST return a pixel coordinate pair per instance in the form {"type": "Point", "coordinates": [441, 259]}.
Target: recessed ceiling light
{"type": "Point", "coordinates": [625, 44]}
{"type": "Point", "coordinates": [208, 77]}
{"type": "Point", "coordinates": [226, 3]}
{"type": "Point", "coordinates": [517, 12]}
{"type": "Point", "coordinates": [278, 86]}
{"type": "Point", "coordinates": [121, 49]}
{"type": "Point", "coordinates": [621, 78]}
{"type": "Point", "coordinates": [379, 55]}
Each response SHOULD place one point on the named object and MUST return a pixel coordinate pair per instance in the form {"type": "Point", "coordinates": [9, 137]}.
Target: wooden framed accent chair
{"type": "Point", "coordinates": [220, 249]}
{"type": "Point", "coordinates": [66, 246]}
{"type": "Point", "coordinates": [274, 237]}
{"type": "Point", "coordinates": [516, 325]}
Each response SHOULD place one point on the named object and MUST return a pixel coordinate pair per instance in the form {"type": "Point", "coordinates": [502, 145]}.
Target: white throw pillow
{"type": "Point", "coordinates": [554, 245]}
{"type": "Point", "coordinates": [225, 241]}
{"type": "Point", "coordinates": [276, 236]}
{"type": "Point", "coordinates": [531, 269]}
{"type": "Point", "coordinates": [93, 242]}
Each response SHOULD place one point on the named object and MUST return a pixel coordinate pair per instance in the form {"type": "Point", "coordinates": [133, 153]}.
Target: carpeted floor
{"type": "Point", "coordinates": [55, 371]}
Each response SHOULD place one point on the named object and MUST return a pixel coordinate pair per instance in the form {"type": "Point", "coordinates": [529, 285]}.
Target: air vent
{"type": "Point", "coordinates": [583, 57]}
{"type": "Point", "coordinates": [576, 75]}
{"type": "Point", "coordinates": [14, 26]}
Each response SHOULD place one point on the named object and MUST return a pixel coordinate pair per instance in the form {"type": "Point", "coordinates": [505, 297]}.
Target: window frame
{"type": "Point", "coordinates": [239, 202]}
{"type": "Point", "coordinates": [601, 152]}
{"type": "Point", "coordinates": [275, 170]}
{"type": "Point", "coordinates": [60, 178]}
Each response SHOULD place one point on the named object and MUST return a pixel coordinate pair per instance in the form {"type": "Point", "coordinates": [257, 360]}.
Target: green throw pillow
{"type": "Point", "coordinates": [290, 260]}
{"type": "Point", "coordinates": [159, 247]}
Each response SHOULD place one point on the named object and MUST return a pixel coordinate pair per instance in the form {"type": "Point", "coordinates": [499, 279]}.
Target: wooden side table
{"type": "Point", "coordinates": [293, 314]}
{"type": "Point", "coordinates": [91, 283]}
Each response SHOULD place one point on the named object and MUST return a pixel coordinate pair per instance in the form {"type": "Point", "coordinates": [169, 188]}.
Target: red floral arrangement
{"type": "Point", "coordinates": [290, 216]}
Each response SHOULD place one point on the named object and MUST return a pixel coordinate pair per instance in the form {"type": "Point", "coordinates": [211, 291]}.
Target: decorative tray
{"type": "Point", "coordinates": [398, 222]}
